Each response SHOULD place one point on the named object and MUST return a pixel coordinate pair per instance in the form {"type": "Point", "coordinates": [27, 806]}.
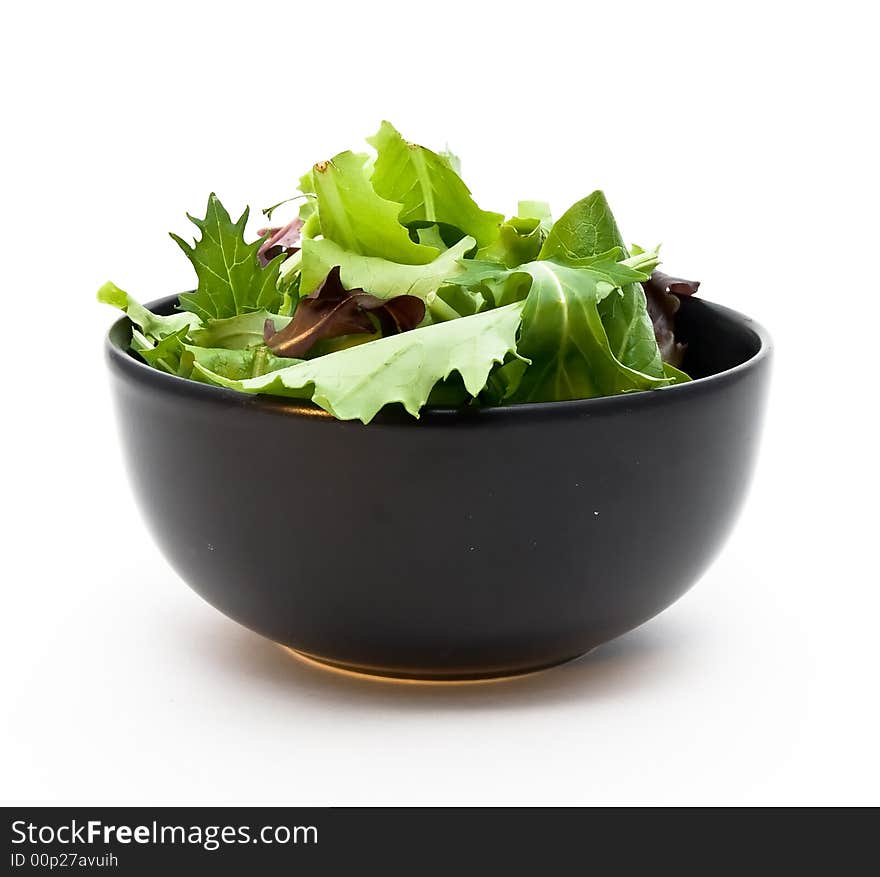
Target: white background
{"type": "Point", "coordinates": [741, 136]}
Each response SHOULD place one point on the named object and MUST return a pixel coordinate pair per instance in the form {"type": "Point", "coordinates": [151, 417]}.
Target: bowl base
{"type": "Point", "coordinates": [422, 677]}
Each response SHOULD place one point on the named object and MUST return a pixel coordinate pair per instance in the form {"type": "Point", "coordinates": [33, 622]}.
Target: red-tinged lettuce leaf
{"type": "Point", "coordinates": [279, 240]}
{"type": "Point", "coordinates": [662, 292]}
{"type": "Point", "coordinates": [332, 311]}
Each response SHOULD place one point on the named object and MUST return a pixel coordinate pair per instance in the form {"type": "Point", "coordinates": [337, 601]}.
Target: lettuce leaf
{"type": "Point", "coordinates": [380, 277]}
{"type": "Point", "coordinates": [165, 355]}
{"type": "Point", "coordinates": [588, 227]}
{"type": "Point", "coordinates": [359, 220]}
{"type": "Point", "coordinates": [237, 365]}
{"type": "Point", "coordinates": [152, 325]}
{"type": "Point", "coordinates": [565, 337]}
{"type": "Point", "coordinates": [662, 292]}
{"type": "Point", "coordinates": [173, 355]}
{"type": "Point", "coordinates": [400, 288]}
{"type": "Point", "coordinates": [231, 280]}
{"type": "Point", "coordinates": [539, 210]}
{"type": "Point", "coordinates": [427, 187]}
{"type": "Point", "coordinates": [279, 241]}
{"type": "Point", "coordinates": [519, 240]}
{"type": "Point", "coordinates": [585, 229]}
{"type": "Point", "coordinates": [562, 330]}
{"type": "Point", "coordinates": [629, 326]}
{"type": "Point", "coordinates": [354, 384]}
{"type": "Point", "coordinates": [236, 333]}
{"type": "Point", "coordinates": [333, 311]}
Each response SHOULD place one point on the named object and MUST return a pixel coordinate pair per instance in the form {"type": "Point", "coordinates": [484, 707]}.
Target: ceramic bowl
{"type": "Point", "coordinates": [463, 545]}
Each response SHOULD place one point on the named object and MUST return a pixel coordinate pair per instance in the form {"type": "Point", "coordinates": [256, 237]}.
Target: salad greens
{"type": "Point", "coordinates": [392, 285]}
{"type": "Point", "coordinates": [231, 280]}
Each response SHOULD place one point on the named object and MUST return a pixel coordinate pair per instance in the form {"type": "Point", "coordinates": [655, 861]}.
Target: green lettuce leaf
{"type": "Point", "coordinates": [676, 375]}
{"type": "Point", "coordinates": [504, 381]}
{"type": "Point", "coordinates": [237, 365]}
{"type": "Point", "coordinates": [453, 301]}
{"type": "Point", "coordinates": [451, 159]}
{"type": "Point", "coordinates": [588, 227]}
{"type": "Point", "coordinates": [152, 325]}
{"type": "Point", "coordinates": [354, 384]}
{"type": "Point", "coordinates": [519, 240]}
{"type": "Point", "coordinates": [427, 187]}
{"type": "Point", "coordinates": [562, 330]}
{"type": "Point", "coordinates": [359, 220]}
{"type": "Point", "coordinates": [380, 277]}
{"type": "Point", "coordinates": [430, 236]}
{"type": "Point", "coordinates": [290, 273]}
{"type": "Point", "coordinates": [173, 355]}
{"type": "Point", "coordinates": [564, 336]}
{"type": "Point", "coordinates": [231, 280]}
{"type": "Point", "coordinates": [236, 333]}
{"type": "Point", "coordinates": [166, 355]}
{"type": "Point", "coordinates": [630, 331]}
{"type": "Point", "coordinates": [585, 229]}
{"type": "Point", "coordinates": [539, 210]}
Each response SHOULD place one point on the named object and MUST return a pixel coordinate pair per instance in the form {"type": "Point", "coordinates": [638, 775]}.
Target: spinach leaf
{"type": "Point", "coordinates": [566, 339]}
{"type": "Point", "coordinates": [588, 227]}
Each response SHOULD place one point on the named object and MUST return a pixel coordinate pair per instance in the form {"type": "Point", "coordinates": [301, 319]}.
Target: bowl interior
{"type": "Point", "coordinates": [717, 338]}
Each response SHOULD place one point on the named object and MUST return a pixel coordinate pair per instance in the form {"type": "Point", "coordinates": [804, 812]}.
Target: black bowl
{"type": "Point", "coordinates": [466, 544]}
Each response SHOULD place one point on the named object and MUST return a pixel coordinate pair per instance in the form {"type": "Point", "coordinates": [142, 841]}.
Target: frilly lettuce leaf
{"type": "Point", "coordinates": [354, 384]}
{"type": "Point", "coordinates": [231, 280]}
{"type": "Point", "coordinates": [359, 220]}
{"type": "Point", "coordinates": [428, 187]}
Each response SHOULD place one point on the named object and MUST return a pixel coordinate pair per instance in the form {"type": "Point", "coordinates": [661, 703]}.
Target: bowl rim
{"type": "Point", "coordinates": [122, 360]}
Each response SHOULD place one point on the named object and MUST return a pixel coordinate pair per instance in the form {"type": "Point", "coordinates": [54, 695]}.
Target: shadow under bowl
{"type": "Point", "coordinates": [467, 544]}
